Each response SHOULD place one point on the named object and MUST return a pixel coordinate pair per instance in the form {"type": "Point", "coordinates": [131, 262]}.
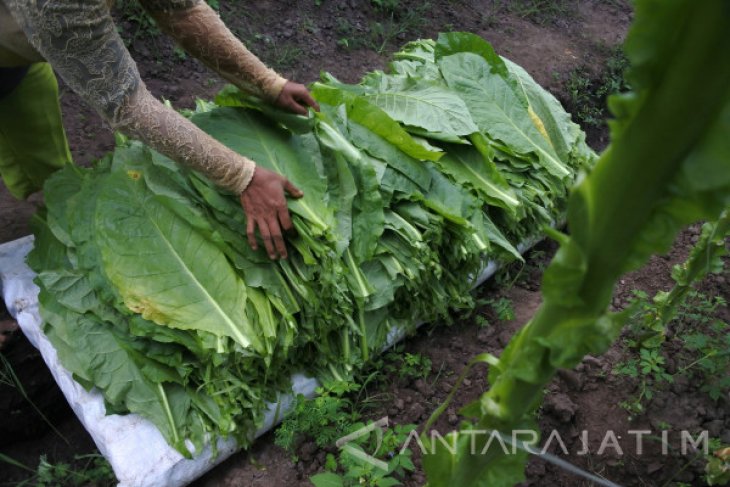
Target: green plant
{"type": "Point", "coordinates": [91, 469]}
{"type": "Point", "coordinates": [650, 369]}
{"type": "Point", "coordinates": [395, 362]}
{"type": "Point", "coordinates": [705, 351]}
{"type": "Point", "coordinates": [682, 303]}
{"type": "Point", "coordinates": [135, 14]}
{"type": "Point", "coordinates": [717, 469]}
{"type": "Point", "coordinates": [588, 93]}
{"type": "Point", "coordinates": [394, 20]}
{"type": "Point", "coordinates": [348, 470]}
{"type": "Point", "coordinates": [386, 5]}
{"type": "Point", "coordinates": [325, 418]}
{"type": "Point", "coordinates": [280, 55]}
{"type": "Point", "coordinates": [310, 26]}
{"type": "Point", "coordinates": [415, 366]}
{"type": "Point", "coordinates": [332, 415]}
{"type": "Point", "coordinates": [348, 37]}
{"type": "Point", "coordinates": [180, 53]}
{"type": "Point", "coordinates": [706, 345]}
{"type": "Point", "coordinates": [481, 321]}
{"type": "Point", "coordinates": [541, 12]}
{"type": "Point", "coordinates": [709, 357]}
{"type": "Point", "coordinates": [504, 308]}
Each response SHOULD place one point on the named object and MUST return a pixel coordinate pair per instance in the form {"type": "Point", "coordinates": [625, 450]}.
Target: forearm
{"type": "Point", "coordinates": [143, 117]}
{"type": "Point", "coordinates": [200, 31]}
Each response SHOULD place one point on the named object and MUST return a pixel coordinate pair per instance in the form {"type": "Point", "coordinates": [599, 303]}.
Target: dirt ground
{"type": "Point", "coordinates": [304, 37]}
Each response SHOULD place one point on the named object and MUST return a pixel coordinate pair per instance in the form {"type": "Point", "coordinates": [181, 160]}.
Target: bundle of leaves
{"type": "Point", "coordinates": [412, 181]}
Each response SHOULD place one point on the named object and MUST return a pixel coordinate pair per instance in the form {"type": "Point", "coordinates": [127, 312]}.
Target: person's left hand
{"type": "Point", "coordinates": [295, 97]}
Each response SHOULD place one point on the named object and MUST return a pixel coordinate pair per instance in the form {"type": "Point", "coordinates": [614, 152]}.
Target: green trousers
{"type": "Point", "coordinates": [33, 143]}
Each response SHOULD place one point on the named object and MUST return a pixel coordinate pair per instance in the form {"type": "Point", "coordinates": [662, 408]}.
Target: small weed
{"type": "Point", "coordinates": [650, 369]}
{"type": "Point", "coordinates": [542, 12]}
{"type": "Point", "coordinates": [347, 470]}
{"type": "Point", "coordinates": [704, 354]}
{"type": "Point", "coordinates": [409, 366]}
{"type": "Point", "coordinates": [279, 55]}
{"type": "Point", "coordinates": [348, 38]}
{"type": "Point", "coordinates": [502, 307]}
{"type": "Point", "coordinates": [308, 25]}
{"type": "Point", "coordinates": [331, 416]}
{"type": "Point", "coordinates": [92, 469]}
{"type": "Point", "coordinates": [386, 5]}
{"type": "Point", "coordinates": [136, 15]}
{"type": "Point", "coordinates": [717, 470]}
{"type": "Point", "coordinates": [324, 418]}
{"type": "Point", "coordinates": [395, 20]}
{"type": "Point", "coordinates": [482, 321]}
{"type": "Point", "coordinates": [10, 378]}
{"type": "Point", "coordinates": [180, 53]}
{"type": "Point", "coordinates": [707, 347]}
{"type": "Point", "coordinates": [491, 19]}
{"type": "Point", "coordinates": [587, 93]}
{"type": "Point", "coordinates": [415, 366]}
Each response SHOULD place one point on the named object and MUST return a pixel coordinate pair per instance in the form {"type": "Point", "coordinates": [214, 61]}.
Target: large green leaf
{"type": "Point", "coordinates": [470, 169]}
{"type": "Point", "coordinates": [378, 147]}
{"type": "Point", "coordinates": [449, 43]}
{"type": "Point", "coordinates": [563, 133]}
{"type": "Point", "coordinates": [164, 269]}
{"type": "Point", "coordinates": [499, 110]}
{"type": "Point", "coordinates": [432, 108]}
{"type": "Point", "coordinates": [374, 118]}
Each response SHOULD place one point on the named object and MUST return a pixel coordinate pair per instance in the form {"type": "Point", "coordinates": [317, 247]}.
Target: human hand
{"type": "Point", "coordinates": [295, 97]}
{"type": "Point", "coordinates": [264, 203]}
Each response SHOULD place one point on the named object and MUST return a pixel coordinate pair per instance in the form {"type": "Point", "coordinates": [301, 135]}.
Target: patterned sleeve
{"type": "Point", "coordinates": [201, 32]}
{"type": "Point", "coordinates": [79, 39]}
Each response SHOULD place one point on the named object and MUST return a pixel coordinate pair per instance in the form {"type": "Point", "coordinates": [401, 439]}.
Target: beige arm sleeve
{"type": "Point", "coordinates": [201, 32]}
{"type": "Point", "coordinates": [145, 118]}
{"type": "Point", "coordinates": [80, 41]}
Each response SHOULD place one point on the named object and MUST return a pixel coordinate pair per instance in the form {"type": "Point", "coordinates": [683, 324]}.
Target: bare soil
{"type": "Point", "coordinates": [300, 39]}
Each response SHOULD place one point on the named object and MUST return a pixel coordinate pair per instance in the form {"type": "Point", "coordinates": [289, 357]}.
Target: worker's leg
{"type": "Point", "coordinates": [32, 140]}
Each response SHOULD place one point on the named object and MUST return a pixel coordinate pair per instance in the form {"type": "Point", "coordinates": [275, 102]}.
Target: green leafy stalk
{"type": "Point", "coordinates": [704, 258]}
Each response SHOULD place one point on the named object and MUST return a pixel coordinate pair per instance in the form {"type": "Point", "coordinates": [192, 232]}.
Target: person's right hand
{"type": "Point", "coordinates": [264, 202]}
{"type": "Point", "coordinates": [296, 98]}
